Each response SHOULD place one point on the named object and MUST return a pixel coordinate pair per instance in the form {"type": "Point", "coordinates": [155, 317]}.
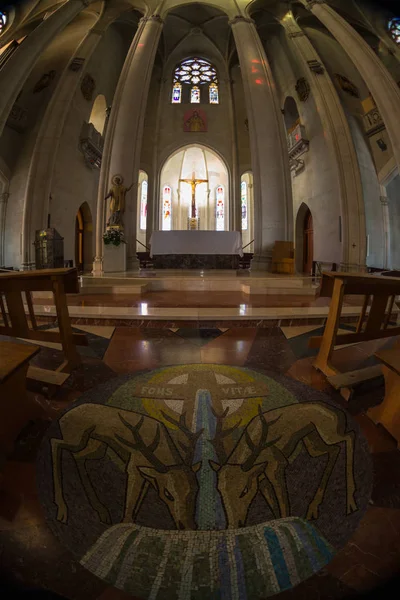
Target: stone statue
{"type": "Point", "coordinates": [117, 194]}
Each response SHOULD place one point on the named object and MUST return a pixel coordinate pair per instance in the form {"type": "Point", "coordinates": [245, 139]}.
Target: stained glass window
{"type": "Point", "coordinates": [195, 72]}
{"type": "Point", "coordinates": [3, 21]}
{"type": "Point", "coordinates": [220, 209]}
{"type": "Point", "coordinates": [213, 93]}
{"type": "Point", "coordinates": [143, 206]}
{"type": "Point", "coordinates": [244, 206]}
{"type": "Point", "coordinates": [195, 95]}
{"type": "Point", "coordinates": [177, 93]}
{"type": "Point", "coordinates": [394, 29]}
{"type": "Point", "coordinates": [166, 213]}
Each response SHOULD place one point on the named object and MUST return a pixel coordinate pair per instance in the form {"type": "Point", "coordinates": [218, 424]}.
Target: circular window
{"type": "Point", "coordinates": [3, 21]}
{"type": "Point", "coordinates": [394, 29]}
{"type": "Point", "coordinates": [195, 70]}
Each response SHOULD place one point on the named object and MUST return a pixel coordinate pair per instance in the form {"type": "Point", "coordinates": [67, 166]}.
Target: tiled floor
{"type": "Point", "coordinates": [32, 557]}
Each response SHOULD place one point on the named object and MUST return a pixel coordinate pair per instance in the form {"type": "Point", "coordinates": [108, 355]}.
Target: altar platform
{"type": "Point", "coordinates": [192, 280]}
{"type": "Point", "coordinates": [196, 249]}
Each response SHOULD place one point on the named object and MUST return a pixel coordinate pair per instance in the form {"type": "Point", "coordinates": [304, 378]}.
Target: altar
{"type": "Point", "coordinates": [196, 249]}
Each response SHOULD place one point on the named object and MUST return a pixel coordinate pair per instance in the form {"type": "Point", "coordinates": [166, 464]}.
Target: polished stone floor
{"type": "Point", "coordinates": [29, 554]}
{"type": "Point", "coordinates": [169, 308]}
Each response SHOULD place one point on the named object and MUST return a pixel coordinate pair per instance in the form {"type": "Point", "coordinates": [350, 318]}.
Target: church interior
{"type": "Point", "coordinates": [199, 299]}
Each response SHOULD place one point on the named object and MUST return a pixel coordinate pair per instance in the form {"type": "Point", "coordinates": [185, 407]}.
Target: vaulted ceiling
{"type": "Point", "coordinates": [196, 19]}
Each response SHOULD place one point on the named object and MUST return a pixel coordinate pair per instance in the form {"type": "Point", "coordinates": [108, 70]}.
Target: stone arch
{"type": "Point", "coordinates": [175, 167]}
{"type": "Point", "coordinates": [84, 238]}
{"type": "Point", "coordinates": [99, 113]}
{"type": "Point", "coordinates": [174, 4]}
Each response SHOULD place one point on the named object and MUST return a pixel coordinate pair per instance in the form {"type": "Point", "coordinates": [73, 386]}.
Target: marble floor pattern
{"type": "Point", "coordinates": [31, 557]}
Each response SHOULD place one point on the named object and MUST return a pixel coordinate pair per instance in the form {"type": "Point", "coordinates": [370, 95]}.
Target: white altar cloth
{"type": "Point", "coordinates": [196, 242]}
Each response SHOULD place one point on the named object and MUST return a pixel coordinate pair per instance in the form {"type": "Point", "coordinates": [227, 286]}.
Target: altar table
{"type": "Point", "coordinates": [196, 242]}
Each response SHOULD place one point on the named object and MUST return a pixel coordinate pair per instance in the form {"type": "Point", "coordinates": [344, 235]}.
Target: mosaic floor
{"type": "Point", "coordinates": [31, 556]}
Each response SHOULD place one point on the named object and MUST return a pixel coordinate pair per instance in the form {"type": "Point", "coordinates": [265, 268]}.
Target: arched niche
{"type": "Point", "coordinates": [84, 238]}
{"type": "Point", "coordinates": [290, 114]}
{"type": "Point", "coordinates": [176, 195]}
{"type": "Point", "coordinates": [99, 113]}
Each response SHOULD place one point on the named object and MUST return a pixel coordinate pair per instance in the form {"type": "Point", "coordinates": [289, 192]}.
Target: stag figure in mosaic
{"type": "Point", "coordinates": [258, 460]}
{"type": "Point", "coordinates": [144, 444]}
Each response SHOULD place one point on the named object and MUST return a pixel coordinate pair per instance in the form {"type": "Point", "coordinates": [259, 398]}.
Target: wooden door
{"type": "Point", "coordinates": [308, 248]}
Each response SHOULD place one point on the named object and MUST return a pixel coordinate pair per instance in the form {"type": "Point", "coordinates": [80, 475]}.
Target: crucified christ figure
{"type": "Point", "coordinates": [194, 182]}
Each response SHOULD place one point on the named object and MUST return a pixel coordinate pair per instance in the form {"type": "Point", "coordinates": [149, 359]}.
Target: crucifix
{"type": "Point", "coordinates": [194, 182]}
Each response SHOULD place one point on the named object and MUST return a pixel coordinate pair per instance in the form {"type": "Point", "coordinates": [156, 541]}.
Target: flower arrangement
{"type": "Point", "coordinates": [114, 237]}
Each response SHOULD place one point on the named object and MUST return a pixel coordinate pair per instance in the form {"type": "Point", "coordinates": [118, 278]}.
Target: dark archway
{"type": "Point", "coordinates": [304, 236]}
{"type": "Point", "coordinates": [83, 238]}
{"type": "Point", "coordinates": [308, 243]}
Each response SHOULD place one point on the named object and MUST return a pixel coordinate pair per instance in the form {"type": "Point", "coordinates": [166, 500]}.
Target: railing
{"type": "Point", "coordinates": [6, 54]}
{"type": "Point", "coordinates": [144, 246]}
{"type": "Point", "coordinates": [91, 144]}
{"type": "Point", "coordinates": [297, 145]}
{"type": "Point", "coordinates": [318, 267]}
{"type": "Point", "coordinates": [249, 244]}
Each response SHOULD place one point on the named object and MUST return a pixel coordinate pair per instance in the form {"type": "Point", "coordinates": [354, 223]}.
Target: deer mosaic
{"type": "Point", "coordinates": [258, 460]}
{"type": "Point", "coordinates": [90, 429]}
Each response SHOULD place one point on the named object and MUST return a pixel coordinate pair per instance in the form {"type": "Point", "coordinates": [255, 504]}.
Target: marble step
{"type": "Point", "coordinates": [242, 312]}
{"type": "Point", "coordinates": [252, 290]}
{"type": "Point", "coordinates": [132, 290]}
{"type": "Point", "coordinates": [264, 285]}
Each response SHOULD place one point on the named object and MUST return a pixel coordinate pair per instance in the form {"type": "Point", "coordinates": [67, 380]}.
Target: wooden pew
{"type": "Point", "coordinates": [379, 298]}
{"type": "Point", "coordinates": [13, 287]}
{"type": "Point", "coordinates": [388, 412]}
{"type": "Point", "coordinates": [16, 409]}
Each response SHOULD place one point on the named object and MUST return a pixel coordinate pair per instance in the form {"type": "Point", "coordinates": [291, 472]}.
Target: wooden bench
{"type": "Point", "coordinates": [352, 378]}
{"type": "Point", "coordinates": [16, 408]}
{"type": "Point", "coordinates": [388, 412]}
{"type": "Point", "coordinates": [375, 315]}
{"type": "Point", "coordinates": [14, 286]}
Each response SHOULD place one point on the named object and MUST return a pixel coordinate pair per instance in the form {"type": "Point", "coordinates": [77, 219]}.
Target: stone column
{"type": "Point", "coordinates": [17, 69]}
{"type": "Point", "coordinates": [234, 221]}
{"type": "Point", "coordinates": [386, 229]}
{"type": "Point", "coordinates": [3, 210]}
{"type": "Point", "coordinates": [151, 193]}
{"type": "Point", "coordinates": [382, 86]}
{"type": "Point", "coordinates": [121, 154]}
{"type": "Point", "coordinates": [38, 186]}
{"type": "Point", "coordinates": [269, 155]}
{"type": "Point", "coordinates": [341, 146]}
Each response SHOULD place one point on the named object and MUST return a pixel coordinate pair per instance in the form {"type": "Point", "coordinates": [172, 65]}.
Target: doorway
{"type": "Point", "coordinates": [308, 243]}
{"type": "Point", "coordinates": [83, 238]}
